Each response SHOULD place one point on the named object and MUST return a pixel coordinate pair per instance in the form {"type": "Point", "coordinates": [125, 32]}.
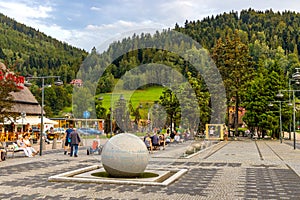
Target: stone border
{"type": "Point", "coordinates": [71, 177]}
{"type": "Point", "coordinates": [200, 151]}
{"type": "Point", "coordinates": [161, 175]}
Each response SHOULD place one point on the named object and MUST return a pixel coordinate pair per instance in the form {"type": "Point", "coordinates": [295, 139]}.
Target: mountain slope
{"type": "Point", "coordinates": [31, 51]}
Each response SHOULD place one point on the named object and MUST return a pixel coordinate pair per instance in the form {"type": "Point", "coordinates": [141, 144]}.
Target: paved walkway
{"type": "Point", "coordinates": [242, 169]}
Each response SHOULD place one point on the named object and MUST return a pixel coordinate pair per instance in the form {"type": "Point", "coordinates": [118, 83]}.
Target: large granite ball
{"type": "Point", "coordinates": [125, 155]}
{"type": "Point", "coordinates": [190, 150]}
{"type": "Point", "coordinates": [197, 146]}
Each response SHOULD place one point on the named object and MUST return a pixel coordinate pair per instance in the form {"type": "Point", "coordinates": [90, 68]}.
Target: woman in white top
{"type": "Point", "coordinates": [21, 145]}
{"type": "Point", "coordinates": [28, 145]}
{"type": "Point", "coordinates": [177, 138]}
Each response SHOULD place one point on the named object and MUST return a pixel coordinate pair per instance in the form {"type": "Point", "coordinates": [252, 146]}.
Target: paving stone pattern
{"type": "Point", "coordinates": [229, 170]}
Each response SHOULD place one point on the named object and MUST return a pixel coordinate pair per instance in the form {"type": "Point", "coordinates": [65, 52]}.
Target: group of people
{"type": "Point", "coordinates": [158, 139]}
{"type": "Point", "coordinates": [154, 142]}
{"type": "Point", "coordinates": [72, 141]}
{"type": "Point", "coordinates": [23, 143]}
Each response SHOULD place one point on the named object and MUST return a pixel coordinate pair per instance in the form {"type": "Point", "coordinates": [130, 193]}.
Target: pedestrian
{"type": "Point", "coordinates": [75, 140]}
{"type": "Point", "coordinates": [67, 138]}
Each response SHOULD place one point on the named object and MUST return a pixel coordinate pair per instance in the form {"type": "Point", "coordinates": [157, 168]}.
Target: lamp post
{"type": "Point", "coordinates": [122, 112]}
{"type": "Point", "coordinates": [294, 118]}
{"type": "Point", "coordinates": [171, 113]}
{"type": "Point", "coordinates": [150, 119]}
{"type": "Point", "coordinates": [294, 112]}
{"type": "Point", "coordinates": [58, 82]}
{"type": "Point", "coordinates": [23, 115]}
{"type": "Point", "coordinates": [280, 119]}
{"type": "Point", "coordinates": [137, 116]}
{"type": "Point", "coordinates": [153, 118]}
{"type": "Point", "coordinates": [296, 78]}
{"type": "Point", "coordinates": [111, 115]}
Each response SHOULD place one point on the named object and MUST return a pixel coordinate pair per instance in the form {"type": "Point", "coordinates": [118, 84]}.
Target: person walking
{"type": "Point", "coordinates": [75, 140]}
{"type": "Point", "coordinates": [67, 138]}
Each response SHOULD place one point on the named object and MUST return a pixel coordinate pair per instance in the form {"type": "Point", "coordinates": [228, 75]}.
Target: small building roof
{"type": "Point", "coordinates": [25, 102]}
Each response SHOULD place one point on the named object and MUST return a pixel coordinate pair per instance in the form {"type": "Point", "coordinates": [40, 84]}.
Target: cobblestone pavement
{"type": "Point", "coordinates": [243, 169]}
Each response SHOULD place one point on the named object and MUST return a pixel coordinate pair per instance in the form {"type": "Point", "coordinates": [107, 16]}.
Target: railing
{"type": "Point", "coordinates": [8, 136]}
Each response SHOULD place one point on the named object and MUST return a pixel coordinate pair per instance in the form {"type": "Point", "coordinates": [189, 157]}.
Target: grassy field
{"type": "Point", "coordinates": [145, 97]}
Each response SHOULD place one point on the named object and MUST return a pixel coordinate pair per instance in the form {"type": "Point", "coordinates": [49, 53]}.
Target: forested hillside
{"type": "Point", "coordinates": [30, 52]}
{"type": "Point", "coordinates": [270, 43]}
{"type": "Point", "coordinates": [256, 52]}
{"type": "Point", "coordinates": [273, 28]}
{"type": "Point", "coordinates": [34, 53]}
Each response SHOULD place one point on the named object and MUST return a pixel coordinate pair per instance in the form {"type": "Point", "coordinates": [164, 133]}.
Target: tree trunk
{"type": "Point", "coordinates": [228, 117]}
{"type": "Point", "coordinates": [236, 119]}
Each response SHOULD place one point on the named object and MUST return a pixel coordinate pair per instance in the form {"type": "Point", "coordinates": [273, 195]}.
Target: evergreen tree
{"type": "Point", "coordinates": [235, 65]}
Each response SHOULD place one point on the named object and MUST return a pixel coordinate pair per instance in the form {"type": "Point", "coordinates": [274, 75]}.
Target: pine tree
{"type": "Point", "coordinates": [235, 65]}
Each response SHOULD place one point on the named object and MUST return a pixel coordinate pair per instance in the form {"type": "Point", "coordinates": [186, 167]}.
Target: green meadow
{"type": "Point", "coordinates": [144, 97]}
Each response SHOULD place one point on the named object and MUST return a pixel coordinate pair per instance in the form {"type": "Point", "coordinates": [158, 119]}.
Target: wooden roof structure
{"type": "Point", "coordinates": [25, 102]}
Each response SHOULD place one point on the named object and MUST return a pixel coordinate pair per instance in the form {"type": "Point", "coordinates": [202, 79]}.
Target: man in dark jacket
{"type": "Point", "coordinates": [75, 140]}
{"type": "Point", "coordinates": [67, 138]}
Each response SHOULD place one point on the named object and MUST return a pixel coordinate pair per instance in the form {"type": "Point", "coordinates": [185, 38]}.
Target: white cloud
{"type": "Point", "coordinates": [82, 25]}
{"type": "Point", "coordinates": [98, 35]}
{"type": "Point", "coordinates": [178, 11]}
{"type": "Point", "coordinates": [23, 12]}
{"type": "Point", "coordinates": [95, 8]}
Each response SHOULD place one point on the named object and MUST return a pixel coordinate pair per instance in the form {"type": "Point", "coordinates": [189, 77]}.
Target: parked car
{"type": "Point", "coordinates": [88, 131]}
{"type": "Point", "coordinates": [59, 130]}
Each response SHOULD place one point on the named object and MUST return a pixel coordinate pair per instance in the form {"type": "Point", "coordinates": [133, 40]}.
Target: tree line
{"type": "Point", "coordinates": [256, 53]}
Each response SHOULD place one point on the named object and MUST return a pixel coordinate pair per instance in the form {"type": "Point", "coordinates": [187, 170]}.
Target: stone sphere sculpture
{"type": "Point", "coordinates": [190, 150]}
{"type": "Point", "coordinates": [125, 155]}
{"type": "Point", "coordinates": [197, 146]}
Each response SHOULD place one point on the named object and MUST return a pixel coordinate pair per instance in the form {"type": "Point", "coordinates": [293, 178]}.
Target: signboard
{"type": "Point", "coordinates": [86, 114]}
{"type": "Point", "coordinates": [214, 131]}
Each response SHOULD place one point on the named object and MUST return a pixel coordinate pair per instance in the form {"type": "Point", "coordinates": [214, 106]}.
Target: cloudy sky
{"type": "Point", "coordinates": [89, 23]}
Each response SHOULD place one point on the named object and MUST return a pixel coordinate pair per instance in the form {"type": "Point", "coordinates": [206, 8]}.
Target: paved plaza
{"type": "Point", "coordinates": [241, 169]}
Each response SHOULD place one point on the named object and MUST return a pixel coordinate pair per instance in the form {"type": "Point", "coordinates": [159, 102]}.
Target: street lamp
{"type": "Point", "coordinates": [294, 112]}
{"type": "Point", "coordinates": [123, 113]}
{"type": "Point", "coordinates": [23, 115]}
{"type": "Point", "coordinates": [296, 78]}
{"type": "Point", "coordinates": [120, 114]}
{"type": "Point", "coordinates": [111, 115]}
{"type": "Point", "coordinates": [171, 104]}
{"type": "Point", "coordinates": [58, 83]}
{"type": "Point", "coordinates": [137, 116]}
{"type": "Point", "coordinates": [151, 119]}
{"type": "Point", "coordinates": [280, 119]}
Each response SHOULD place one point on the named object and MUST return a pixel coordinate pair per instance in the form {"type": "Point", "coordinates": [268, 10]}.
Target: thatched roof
{"type": "Point", "coordinates": [24, 95]}
{"type": "Point", "coordinates": [25, 102]}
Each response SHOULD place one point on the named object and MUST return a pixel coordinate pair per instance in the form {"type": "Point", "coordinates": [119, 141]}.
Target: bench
{"type": "Point", "coordinates": [10, 148]}
{"type": "Point", "coordinates": [267, 137]}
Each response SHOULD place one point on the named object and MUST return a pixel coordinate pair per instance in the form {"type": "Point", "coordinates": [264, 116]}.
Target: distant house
{"type": "Point", "coordinates": [77, 82]}
{"type": "Point", "coordinates": [241, 113]}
